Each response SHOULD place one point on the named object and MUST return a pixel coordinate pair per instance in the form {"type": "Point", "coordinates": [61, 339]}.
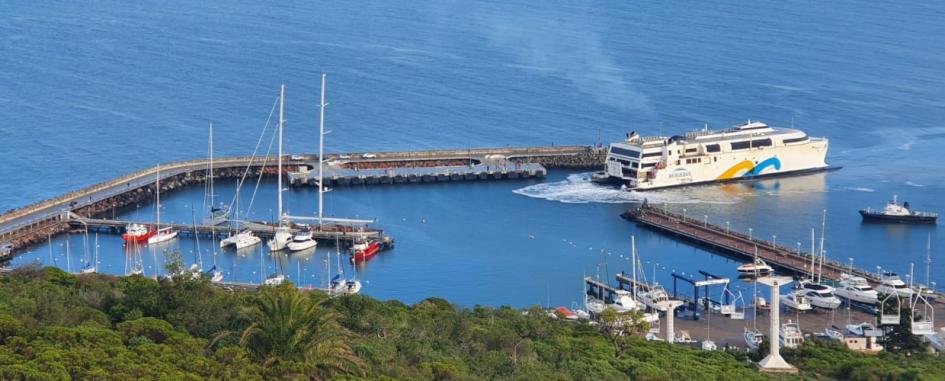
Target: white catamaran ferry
{"type": "Point", "coordinates": [749, 150]}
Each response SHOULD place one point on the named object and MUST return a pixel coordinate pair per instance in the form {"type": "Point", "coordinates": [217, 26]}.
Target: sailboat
{"type": "Point", "coordinates": [163, 234]}
{"type": "Point", "coordinates": [218, 214]}
{"type": "Point", "coordinates": [754, 337]}
{"type": "Point", "coordinates": [89, 261]}
{"type": "Point", "coordinates": [281, 237]}
{"type": "Point", "coordinates": [338, 283]}
{"type": "Point", "coordinates": [275, 278]}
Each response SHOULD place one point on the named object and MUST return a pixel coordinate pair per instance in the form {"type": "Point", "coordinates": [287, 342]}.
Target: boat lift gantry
{"type": "Point", "coordinates": [710, 280]}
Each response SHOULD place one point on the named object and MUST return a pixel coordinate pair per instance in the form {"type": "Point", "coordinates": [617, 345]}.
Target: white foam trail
{"type": "Point", "coordinates": [578, 189]}
{"type": "Point", "coordinates": [858, 189]}
{"type": "Point", "coordinates": [912, 184]}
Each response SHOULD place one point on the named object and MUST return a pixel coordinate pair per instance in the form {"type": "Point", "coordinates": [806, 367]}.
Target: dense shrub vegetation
{"type": "Point", "coordinates": [56, 326]}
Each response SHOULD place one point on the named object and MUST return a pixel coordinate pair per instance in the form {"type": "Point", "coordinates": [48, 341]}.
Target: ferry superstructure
{"type": "Point", "coordinates": [748, 150]}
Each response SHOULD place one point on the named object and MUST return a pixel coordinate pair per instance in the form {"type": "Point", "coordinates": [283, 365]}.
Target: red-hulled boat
{"type": "Point", "coordinates": [364, 250]}
{"type": "Point", "coordinates": [137, 233]}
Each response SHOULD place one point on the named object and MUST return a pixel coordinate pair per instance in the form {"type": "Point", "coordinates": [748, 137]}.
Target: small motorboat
{"type": "Point", "coordinates": [709, 345]}
{"type": "Point", "coordinates": [275, 279]}
{"type": "Point", "coordinates": [564, 312]}
{"type": "Point", "coordinates": [756, 268]}
{"type": "Point", "coordinates": [753, 338]}
{"type": "Point", "coordinates": [796, 300]}
{"type": "Point", "coordinates": [683, 337]}
{"type": "Point", "coordinates": [791, 335]}
{"type": "Point", "coordinates": [860, 329]}
{"type": "Point", "coordinates": [301, 242]}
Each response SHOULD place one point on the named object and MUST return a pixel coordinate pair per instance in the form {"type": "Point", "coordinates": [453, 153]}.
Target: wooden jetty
{"type": "Point", "coordinates": [736, 244]}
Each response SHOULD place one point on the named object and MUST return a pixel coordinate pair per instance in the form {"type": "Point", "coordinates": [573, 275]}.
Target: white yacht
{"type": "Point", "coordinates": [656, 298]}
{"type": "Point", "coordinates": [856, 289]}
{"type": "Point", "coordinates": [820, 295]}
{"type": "Point", "coordinates": [796, 300]}
{"type": "Point", "coordinates": [791, 335]}
{"type": "Point", "coordinates": [757, 267]}
{"type": "Point", "coordinates": [748, 150]}
{"type": "Point", "coordinates": [301, 242]}
{"type": "Point", "coordinates": [241, 240]}
{"type": "Point", "coordinates": [890, 284]}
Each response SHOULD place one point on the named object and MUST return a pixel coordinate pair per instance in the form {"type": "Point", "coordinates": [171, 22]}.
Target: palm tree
{"type": "Point", "coordinates": [289, 327]}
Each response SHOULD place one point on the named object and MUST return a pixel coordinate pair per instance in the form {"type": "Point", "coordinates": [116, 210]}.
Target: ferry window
{"type": "Point", "coordinates": [713, 148]}
{"type": "Point", "coordinates": [715, 158]}
{"type": "Point", "coordinates": [740, 145]}
{"type": "Point", "coordinates": [648, 165]}
{"type": "Point", "coordinates": [691, 150]}
{"type": "Point", "coordinates": [652, 154]}
{"type": "Point", "coordinates": [624, 152]}
{"type": "Point", "coordinates": [795, 140]}
{"type": "Point", "coordinates": [761, 143]}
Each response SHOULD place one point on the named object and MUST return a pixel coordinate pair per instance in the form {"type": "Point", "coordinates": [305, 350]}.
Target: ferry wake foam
{"type": "Point", "coordinates": [579, 189]}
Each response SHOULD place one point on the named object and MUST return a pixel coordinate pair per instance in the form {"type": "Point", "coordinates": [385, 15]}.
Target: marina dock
{"type": "Point", "coordinates": [32, 224]}
{"type": "Point", "coordinates": [736, 244]}
{"type": "Point", "coordinates": [328, 232]}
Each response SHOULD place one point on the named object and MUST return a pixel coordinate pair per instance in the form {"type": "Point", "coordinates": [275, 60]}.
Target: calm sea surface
{"type": "Point", "coordinates": [92, 90]}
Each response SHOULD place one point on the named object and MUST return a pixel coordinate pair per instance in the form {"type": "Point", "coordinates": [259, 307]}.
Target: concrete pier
{"type": "Point", "coordinates": [736, 244]}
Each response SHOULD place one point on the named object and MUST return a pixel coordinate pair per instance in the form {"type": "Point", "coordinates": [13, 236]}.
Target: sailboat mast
{"type": "Point", "coordinates": [210, 171]}
{"type": "Point", "coordinates": [823, 232]}
{"type": "Point", "coordinates": [928, 263]}
{"type": "Point", "coordinates": [321, 150]}
{"type": "Point", "coordinates": [157, 186]}
{"type": "Point", "coordinates": [279, 160]}
{"type": "Point", "coordinates": [813, 251]}
{"type": "Point", "coordinates": [633, 254]}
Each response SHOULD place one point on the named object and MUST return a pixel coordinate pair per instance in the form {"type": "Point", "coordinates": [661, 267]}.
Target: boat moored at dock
{"type": "Point", "coordinates": [745, 151]}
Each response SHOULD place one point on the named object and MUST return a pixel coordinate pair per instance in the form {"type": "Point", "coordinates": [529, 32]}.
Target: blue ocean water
{"type": "Point", "coordinates": [91, 90]}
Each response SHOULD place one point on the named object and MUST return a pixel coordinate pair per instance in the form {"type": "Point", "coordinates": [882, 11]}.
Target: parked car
{"type": "Point", "coordinates": [369, 156]}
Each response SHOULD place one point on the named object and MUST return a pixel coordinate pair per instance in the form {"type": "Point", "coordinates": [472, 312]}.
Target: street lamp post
{"type": "Point", "coordinates": [726, 227]}
{"type": "Point", "coordinates": [706, 220]}
{"type": "Point", "coordinates": [749, 235]}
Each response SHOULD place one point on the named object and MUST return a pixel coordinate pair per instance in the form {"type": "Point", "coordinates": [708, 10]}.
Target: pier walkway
{"type": "Point", "coordinates": [735, 243]}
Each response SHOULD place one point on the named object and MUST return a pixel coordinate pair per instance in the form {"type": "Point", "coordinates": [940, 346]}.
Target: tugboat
{"type": "Point", "coordinates": [898, 213]}
{"type": "Point", "coordinates": [137, 233]}
{"type": "Point", "coordinates": [364, 250]}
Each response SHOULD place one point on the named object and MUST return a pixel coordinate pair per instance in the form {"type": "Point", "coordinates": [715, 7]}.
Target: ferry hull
{"type": "Point", "coordinates": [747, 152]}
{"type": "Point", "coordinates": [910, 219]}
